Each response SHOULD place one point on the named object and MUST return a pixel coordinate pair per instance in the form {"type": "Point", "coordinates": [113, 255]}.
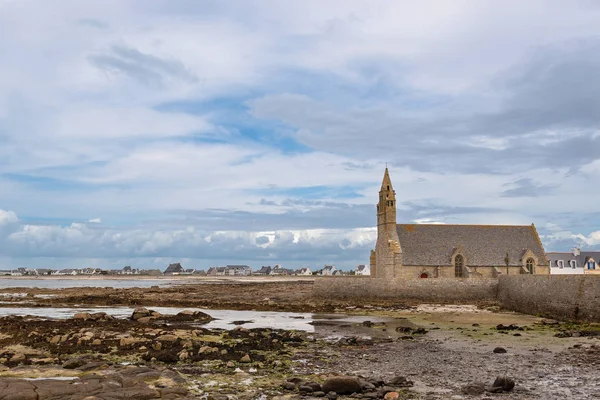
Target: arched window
{"type": "Point", "coordinates": [424, 275]}
{"type": "Point", "coordinates": [458, 266]}
{"type": "Point", "coordinates": [529, 265]}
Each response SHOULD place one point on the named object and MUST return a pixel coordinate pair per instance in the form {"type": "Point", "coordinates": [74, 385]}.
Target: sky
{"type": "Point", "coordinates": [144, 132]}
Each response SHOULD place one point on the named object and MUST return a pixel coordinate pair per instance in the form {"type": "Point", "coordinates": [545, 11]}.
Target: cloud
{"type": "Point", "coordinates": [79, 240]}
{"type": "Point", "coordinates": [526, 187]}
{"type": "Point", "coordinates": [145, 68]}
{"type": "Point", "coordinates": [171, 122]}
{"type": "Point", "coordinates": [95, 221]}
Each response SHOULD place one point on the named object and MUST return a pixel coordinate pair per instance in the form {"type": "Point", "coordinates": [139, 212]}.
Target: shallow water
{"type": "Point", "coordinates": [224, 319]}
{"type": "Point", "coordinates": [85, 282]}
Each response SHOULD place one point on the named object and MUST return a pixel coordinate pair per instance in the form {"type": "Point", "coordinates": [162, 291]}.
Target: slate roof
{"type": "Point", "coordinates": [173, 268]}
{"type": "Point", "coordinates": [581, 259]}
{"type": "Point", "coordinates": [482, 245]}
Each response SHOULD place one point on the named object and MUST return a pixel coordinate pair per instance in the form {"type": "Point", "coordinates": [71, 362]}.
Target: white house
{"type": "Point", "coordinates": [362, 270]}
{"type": "Point", "coordinates": [304, 271]}
{"type": "Point", "coordinates": [328, 270]}
{"type": "Point", "coordinates": [576, 262]}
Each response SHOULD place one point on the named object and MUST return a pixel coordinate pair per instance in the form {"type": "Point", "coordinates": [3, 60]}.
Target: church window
{"type": "Point", "coordinates": [529, 265]}
{"type": "Point", "coordinates": [392, 203]}
{"type": "Point", "coordinates": [424, 275]}
{"type": "Point", "coordinates": [573, 263]}
{"type": "Point", "coordinates": [560, 263]}
{"type": "Point", "coordinates": [388, 187]}
{"type": "Point", "coordinates": [458, 266]}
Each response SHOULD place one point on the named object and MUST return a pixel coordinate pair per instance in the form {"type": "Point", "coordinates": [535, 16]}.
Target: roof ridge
{"type": "Point", "coordinates": [522, 226]}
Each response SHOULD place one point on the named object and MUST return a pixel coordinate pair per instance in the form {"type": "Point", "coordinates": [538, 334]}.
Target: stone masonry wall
{"type": "Point", "coordinates": [423, 290]}
{"type": "Point", "coordinates": [564, 297]}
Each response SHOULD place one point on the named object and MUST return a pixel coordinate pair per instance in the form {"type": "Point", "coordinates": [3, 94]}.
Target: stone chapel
{"type": "Point", "coordinates": [406, 251]}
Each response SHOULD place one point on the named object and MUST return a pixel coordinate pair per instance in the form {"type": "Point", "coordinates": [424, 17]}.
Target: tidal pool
{"type": "Point", "coordinates": [229, 319]}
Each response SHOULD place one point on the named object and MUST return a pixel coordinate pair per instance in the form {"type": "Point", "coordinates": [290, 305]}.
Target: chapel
{"type": "Point", "coordinates": [406, 251]}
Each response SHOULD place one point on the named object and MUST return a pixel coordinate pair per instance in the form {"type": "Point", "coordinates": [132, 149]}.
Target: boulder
{"type": "Point", "coordinates": [342, 385]}
{"type": "Point", "coordinates": [499, 350]}
{"type": "Point", "coordinates": [141, 312]}
{"type": "Point", "coordinates": [245, 359]}
{"type": "Point", "coordinates": [167, 338]}
{"type": "Point", "coordinates": [391, 396]}
{"type": "Point", "coordinates": [83, 315]}
{"type": "Point", "coordinates": [502, 384]}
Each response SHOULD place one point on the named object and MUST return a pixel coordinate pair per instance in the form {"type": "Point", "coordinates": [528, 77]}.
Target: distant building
{"type": "Point", "coordinates": [174, 269]}
{"type": "Point", "coordinates": [264, 270]}
{"type": "Point", "coordinates": [303, 271]}
{"type": "Point", "coordinates": [216, 271]}
{"type": "Point", "coordinates": [576, 262]}
{"type": "Point", "coordinates": [279, 270]}
{"type": "Point", "coordinates": [362, 270]}
{"type": "Point", "coordinates": [328, 270]}
{"type": "Point", "coordinates": [238, 270]}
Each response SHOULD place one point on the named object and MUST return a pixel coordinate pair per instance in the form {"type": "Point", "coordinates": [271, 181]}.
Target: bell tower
{"type": "Point", "coordinates": [386, 208]}
{"type": "Point", "coordinates": [388, 253]}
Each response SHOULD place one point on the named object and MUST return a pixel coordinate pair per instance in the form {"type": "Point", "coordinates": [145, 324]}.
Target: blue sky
{"type": "Point", "coordinates": [146, 132]}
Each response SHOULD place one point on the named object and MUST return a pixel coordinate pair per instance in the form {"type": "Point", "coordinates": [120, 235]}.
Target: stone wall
{"type": "Point", "coordinates": [420, 290]}
{"type": "Point", "coordinates": [564, 297]}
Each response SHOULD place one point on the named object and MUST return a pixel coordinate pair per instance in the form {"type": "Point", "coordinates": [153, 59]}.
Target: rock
{"type": "Point", "coordinates": [74, 363]}
{"type": "Point", "coordinates": [499, 350]}
{"type": "Point", "coordinates": [391, 396]}
{"type": "Point", "coordinates": [319, 394]}
{"type": "Point", "coordinates": [55, 339]}
{"type": "Point", "coordinates": [332, 395]}
{"type": "Point", "coordinates": [342, 385]}
{"type": "Point", "coordinates": [167, 338]}
{"type": "Point", "coordinates": [140, 312]}
{"type": "Point", "coordinates": [18, 357]}
{"type": "Point", "coordinates": [401, 381]}
{"type": "Point", "coordinates": [504, 383]}
{"type": "Point", "coordinates": [82, 315]}
{"type": "Point", "coordinates": [127, 341]}
{"type": "Point", "coordinates": [245, 359]}
{"type": "Point", "coordinates": [145, 320]}
{"type": "Point", "coordinates": [288, 386]}
{"type": "Point", "coordinates": [230, 364]}
{"type": "Point", "coordinates": [157, 346]}
{"type": "Point", "coordinates": [305, 389]}
{"type": "Point", "coordinates": [316, 387]}
{"type": "Point", "coordinates": [217, 397]}
{"type": "Point", "coordinates": [183, 355]}
{"type": "Point", "coordinates": [101, 316]}
{"type": "Point", "coordinates": [96, 342]}
{"type": "Point", "coordinates": [474, 389]}
{"type": "Point", "coordinates": [367, 387]}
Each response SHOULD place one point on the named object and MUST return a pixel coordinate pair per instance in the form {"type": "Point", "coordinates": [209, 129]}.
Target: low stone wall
{"type": "Point", "coordinates": [564, 297]}
{"type": "Point", "coordinates": [422, 290]}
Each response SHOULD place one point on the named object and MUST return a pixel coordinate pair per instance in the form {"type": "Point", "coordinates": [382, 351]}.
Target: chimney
{"type": "Point", "coordinates": [576, 251]}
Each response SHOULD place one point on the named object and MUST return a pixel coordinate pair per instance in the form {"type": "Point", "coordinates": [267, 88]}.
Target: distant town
{"type": "Point", "coordinates": [178, 269]}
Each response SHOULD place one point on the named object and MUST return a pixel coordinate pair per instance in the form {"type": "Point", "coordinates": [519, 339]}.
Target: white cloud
{"type": "Point", "coordinates": [441, 91]}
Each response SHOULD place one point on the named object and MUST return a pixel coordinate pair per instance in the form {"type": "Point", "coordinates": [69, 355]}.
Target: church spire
{"type": "Point", "coordinates": [386, 185]}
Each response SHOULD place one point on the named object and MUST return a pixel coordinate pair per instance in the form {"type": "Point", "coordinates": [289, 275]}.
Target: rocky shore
{"type": "Point", "coordinates": [395, 351]}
